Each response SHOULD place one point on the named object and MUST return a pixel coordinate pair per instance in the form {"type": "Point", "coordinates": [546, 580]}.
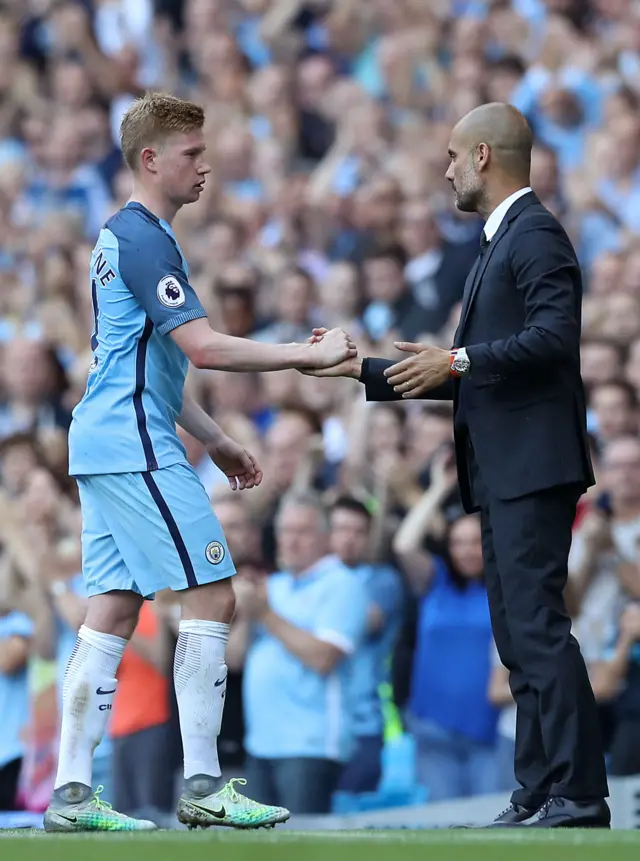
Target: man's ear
{"type": "Point", "coordinates": [148, 158]}
{"type": "Point", "coordinates": [482, 156]}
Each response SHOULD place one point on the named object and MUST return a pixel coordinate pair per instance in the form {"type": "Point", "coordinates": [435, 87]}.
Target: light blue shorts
{"type": "Point", "coordinates": [148, 531]}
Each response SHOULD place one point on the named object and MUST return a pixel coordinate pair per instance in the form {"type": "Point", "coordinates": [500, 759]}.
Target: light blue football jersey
{"type": "Point", "coordinates": [126, 421]}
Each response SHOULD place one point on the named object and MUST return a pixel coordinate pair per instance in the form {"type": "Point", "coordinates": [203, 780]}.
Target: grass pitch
{"type": "Point", "coordinates": [441, 845]}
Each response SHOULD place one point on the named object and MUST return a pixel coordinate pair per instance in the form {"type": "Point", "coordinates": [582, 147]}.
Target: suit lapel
{"type": "Point", "coordinates": [475, 277]}
{"type": "Point", "coordinates": [468, 285]}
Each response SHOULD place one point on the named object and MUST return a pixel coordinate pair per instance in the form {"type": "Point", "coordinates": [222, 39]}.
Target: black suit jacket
{"type": "Point", "coordinates": [522, 407]}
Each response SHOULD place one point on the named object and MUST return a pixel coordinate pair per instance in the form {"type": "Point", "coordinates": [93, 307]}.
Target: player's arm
{"type": "Point", "coordinates": [238, 464]}
{"type": "Point", "coordinates": [206, 348]}
{"type": "Point", "coordinates": [151, 268]}
{"type": "Point", "coordinates": [196, 422]}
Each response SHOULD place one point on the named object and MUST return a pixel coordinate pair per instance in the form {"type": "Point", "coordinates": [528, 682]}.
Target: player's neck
{"type": "Point", "coordinates": [155, 203]}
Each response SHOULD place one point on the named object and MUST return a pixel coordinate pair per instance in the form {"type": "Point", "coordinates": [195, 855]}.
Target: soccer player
{"type": "Point", "coordinates": [147, 521]}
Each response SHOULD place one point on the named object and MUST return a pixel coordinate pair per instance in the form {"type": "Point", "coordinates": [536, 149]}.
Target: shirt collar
{"type": "Point", "coordinates": [495, 219]}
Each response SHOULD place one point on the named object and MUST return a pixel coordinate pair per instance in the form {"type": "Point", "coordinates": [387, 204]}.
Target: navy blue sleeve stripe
{"type": "Point", "coordinates": [172, 526]}
{"type": "Point", "coordinates": [141, 378]}
{"type": "Point", "coordinates": [180, 319]}
{"type": "Point", "coordinates": [94, 303]}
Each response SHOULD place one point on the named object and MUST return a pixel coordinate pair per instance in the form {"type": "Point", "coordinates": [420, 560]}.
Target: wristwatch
{"type": "Point", "coordinates": [459, 363]}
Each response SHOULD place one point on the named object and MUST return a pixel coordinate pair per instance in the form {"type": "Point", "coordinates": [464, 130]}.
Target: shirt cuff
{"type": "Point", "coordinates": [180, 319]}
{"type": "Point", "coordinates": [335, 638]}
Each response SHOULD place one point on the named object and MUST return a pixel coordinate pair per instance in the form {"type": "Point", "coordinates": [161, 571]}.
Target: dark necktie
{"type": "Point", "coordinates": [484, 242]}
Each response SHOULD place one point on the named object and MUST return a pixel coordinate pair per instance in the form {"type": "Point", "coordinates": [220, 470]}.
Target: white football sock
{"type": "Point", "coordinates": [200, 678]}
{"type": "Point", "coordinates": [87, 696]}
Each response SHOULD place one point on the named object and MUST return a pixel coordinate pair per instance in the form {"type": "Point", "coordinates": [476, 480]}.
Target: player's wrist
{"type": "Point", "coordinates": [354, 368]}
{"type": "Point", "coordinates": [304, 357]}
{"type": "Point", "coordinates": [215, 438]}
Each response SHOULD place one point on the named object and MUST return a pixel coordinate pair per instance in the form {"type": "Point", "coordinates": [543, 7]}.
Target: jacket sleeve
{"type": "Point", "coordinates": [378, 389]}
{"type": "Point", "coordinates": [548, 277]}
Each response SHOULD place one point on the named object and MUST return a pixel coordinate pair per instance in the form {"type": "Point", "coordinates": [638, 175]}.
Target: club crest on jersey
{"type": "Point", "coordinates": [214, 552]}
{"type": "Point", "coordinates": [170, 292]}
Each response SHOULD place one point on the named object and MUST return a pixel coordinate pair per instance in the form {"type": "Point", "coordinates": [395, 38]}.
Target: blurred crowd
{"type": "Point", "coordinates": [327, 127]}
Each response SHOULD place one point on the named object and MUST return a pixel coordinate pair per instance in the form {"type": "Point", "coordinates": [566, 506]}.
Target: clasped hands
{"type": "Point", "coordinates": [426, 368]}
{"type": "Point", "coordinates": [336, 356]}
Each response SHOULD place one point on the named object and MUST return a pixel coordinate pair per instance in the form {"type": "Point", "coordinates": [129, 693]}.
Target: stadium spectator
{"type": "Point", "coordinates": [621, 506]}
{"type": "Point", "coordinates": [352, 542]}
{"type": "Point", "coordinates": [616, 678]}
{"type": "Point", "coordinates": [16, 630]}
{"type": "Point", "coordinates": [311, 620]}
{"type": "Point", "coordinates": [453, 722]}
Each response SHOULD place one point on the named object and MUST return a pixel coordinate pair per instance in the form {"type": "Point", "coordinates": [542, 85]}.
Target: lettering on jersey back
{"type": "Point", "coordinates": [99, 266]}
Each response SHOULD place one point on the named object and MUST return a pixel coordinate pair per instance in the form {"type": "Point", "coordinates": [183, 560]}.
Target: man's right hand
{"type": "Point", "coordinates": [349, 367]}
{"type": "Point", "coordinates": [330, 350]}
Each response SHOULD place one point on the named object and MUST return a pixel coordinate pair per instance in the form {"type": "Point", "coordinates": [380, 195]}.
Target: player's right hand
{"type": "Point", "coordinates": [350, 367]}
{"type": "Point", "coordinates": [331, 348]}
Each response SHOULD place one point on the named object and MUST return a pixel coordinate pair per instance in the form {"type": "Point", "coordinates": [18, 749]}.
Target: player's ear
{"type": "Point", "coordinates": [148, 159]}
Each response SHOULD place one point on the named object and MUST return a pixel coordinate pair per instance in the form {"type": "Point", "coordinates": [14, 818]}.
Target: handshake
{"type": "Point", "coordinates": [336, 355]}
{"type": "Point", "coordinates": [332, 353]}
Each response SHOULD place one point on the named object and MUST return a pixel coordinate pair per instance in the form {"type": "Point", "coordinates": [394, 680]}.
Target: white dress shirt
{"type": "Point", "coordinates": [495, 219]}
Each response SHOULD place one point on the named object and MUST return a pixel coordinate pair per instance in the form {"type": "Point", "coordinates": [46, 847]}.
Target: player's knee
{"type": "Point", "coordinates": [213, 602]}
{"type": "Point", "coordinates": [114, 613]}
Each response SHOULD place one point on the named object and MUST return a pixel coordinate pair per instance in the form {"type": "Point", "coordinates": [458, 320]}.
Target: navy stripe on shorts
{"type": "Point", "coordinates": [172, 526]}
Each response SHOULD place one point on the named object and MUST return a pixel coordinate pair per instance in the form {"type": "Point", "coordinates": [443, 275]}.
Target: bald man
{"type": "Point", "coordinates": [522, 456]}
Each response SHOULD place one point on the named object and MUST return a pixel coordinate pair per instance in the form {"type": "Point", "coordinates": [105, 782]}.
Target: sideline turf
{"type": "Point", "coordinates": [443, 845]}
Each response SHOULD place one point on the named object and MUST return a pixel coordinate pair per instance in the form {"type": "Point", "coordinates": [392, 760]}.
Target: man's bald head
{"type": "Point", "coordinates": [505, 131]}
{"type": "Point", "coordinates": [489, 145]}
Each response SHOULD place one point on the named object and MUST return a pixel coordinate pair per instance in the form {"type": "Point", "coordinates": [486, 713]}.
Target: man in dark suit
{"type": "Point", "coordinates": [522, 456]}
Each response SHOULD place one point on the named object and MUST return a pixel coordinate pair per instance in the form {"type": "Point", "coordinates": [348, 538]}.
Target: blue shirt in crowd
{"type": "Point", "coordinates": [372, 660]}
{"type": "Point", "coordinates": [290, 709]}
{"type": "Point", "coordinates": [452, 661]}
{"type": "Point", "coordinates": [14, 693]}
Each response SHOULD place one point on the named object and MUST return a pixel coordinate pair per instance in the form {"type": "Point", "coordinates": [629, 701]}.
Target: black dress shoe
{"type": "Point", "coordinates": [564, 813]}
{"type": "Point", "coordinates": [515, 814]}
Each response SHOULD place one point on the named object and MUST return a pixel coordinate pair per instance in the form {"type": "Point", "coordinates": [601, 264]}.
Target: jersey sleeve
{"type": "Point", "coordinates": [151, 267]}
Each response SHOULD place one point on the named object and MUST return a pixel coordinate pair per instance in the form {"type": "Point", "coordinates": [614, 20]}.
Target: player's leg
{"type": "Point", "coordinates": [199, 666]}
{"type": "Point", "coordinates": [186, 551]}
{"type": "Point", "coordinates": [90, 680]}
{"type": "Point", "coordinates": [207, 611]}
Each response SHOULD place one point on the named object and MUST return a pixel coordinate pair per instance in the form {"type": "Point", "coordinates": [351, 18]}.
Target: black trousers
{"type": "Point", "coordinates": [525, 544]}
